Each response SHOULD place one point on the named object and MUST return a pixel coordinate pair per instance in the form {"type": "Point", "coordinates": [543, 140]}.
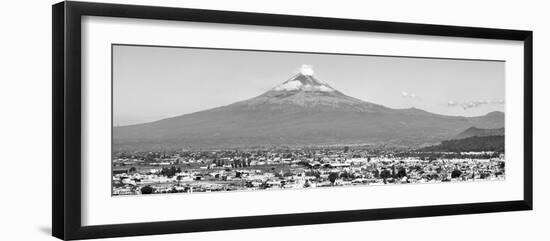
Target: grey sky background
{"type": "Point", "coordinates": [152, 83]}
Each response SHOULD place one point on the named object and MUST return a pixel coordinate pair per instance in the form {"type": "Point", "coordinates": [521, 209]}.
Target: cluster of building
{"type": "Point", "coordinates": [200, 171]}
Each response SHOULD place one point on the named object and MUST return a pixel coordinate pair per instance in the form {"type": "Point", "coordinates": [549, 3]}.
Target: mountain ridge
{"type": "Point", "coordinates": [301, 111]}
{"type": "Point", "coordinates": [474, 131]}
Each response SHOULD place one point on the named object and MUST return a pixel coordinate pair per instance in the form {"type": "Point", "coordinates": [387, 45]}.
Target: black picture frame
{"type": "Point", "coordinates": [66, 127]}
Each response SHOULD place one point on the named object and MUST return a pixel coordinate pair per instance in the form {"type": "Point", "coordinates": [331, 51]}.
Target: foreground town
{"type": "Point", "coordinates": [290, 168]}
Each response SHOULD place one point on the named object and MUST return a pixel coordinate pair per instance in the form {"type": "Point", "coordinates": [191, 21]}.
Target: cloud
{"type": "Point", "coordinates": [408, 95]}
{"type": "Point", "coordinates": [474, 103]}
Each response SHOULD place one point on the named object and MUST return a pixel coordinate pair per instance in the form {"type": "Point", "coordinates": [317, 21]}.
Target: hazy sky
{"type": "Point", "coordinates": [152, 83]}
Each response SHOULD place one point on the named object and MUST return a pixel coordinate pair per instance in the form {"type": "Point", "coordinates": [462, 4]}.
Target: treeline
{"type": "Point", "coordinates": [432, 156]}
{"type": "Point", "coordinates": [475, 143]}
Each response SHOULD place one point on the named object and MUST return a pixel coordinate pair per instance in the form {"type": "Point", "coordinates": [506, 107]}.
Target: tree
{"type": "Point", "coordinates": [376, 173]}
{"type": "Point", "coordinates": [346, 175]}
{"type": "Point", "coordinates": [456, 173]}
{"type": "Point", "coordinates": [169, 172]}
{"type": "Point", "coordinates": [307, 184]}
{"type": "Point", "coordinates": [314, 173]}
{"type": "Point", "coordinates": [402, 172]}
{"type": "Point", "coordinates": [147, 190]}
{"type": "Point", "coordinates": [264, 185]}
{"type": "Point", "coordinates": [385, 174]}
{"type": "Point", "coordinates": [332, 177]}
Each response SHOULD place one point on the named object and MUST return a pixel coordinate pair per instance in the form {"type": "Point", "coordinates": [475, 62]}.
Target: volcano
{"type": "Point", "coordinates": [304, 92]}
{"type": "Point", "coordinates": [302, 111]}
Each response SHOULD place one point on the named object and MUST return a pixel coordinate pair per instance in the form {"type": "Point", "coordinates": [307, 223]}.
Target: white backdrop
{"type": "Point", "coordinates": [101, 208]}
{"type": "Point", "coordinates": [26, 124]}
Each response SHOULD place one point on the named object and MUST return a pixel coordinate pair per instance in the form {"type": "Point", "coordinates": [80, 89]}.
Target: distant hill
{"type": "Point", "coordinates": [474, 143]}
{"type": "Point", "coordinates": [301, 111]}
{"type": "Point", "coordinates": [474, 131]}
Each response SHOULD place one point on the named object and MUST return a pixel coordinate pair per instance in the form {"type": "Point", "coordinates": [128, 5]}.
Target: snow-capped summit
{"type": "Point", "coordinates": [304, 81]}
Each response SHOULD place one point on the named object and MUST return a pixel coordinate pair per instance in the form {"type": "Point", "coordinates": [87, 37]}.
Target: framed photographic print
{"type": "Point", "coordinates": [171, 120]}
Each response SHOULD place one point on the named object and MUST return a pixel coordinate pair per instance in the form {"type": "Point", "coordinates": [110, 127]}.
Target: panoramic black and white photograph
{"type": "Point", "coordinates": [194, 120]}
